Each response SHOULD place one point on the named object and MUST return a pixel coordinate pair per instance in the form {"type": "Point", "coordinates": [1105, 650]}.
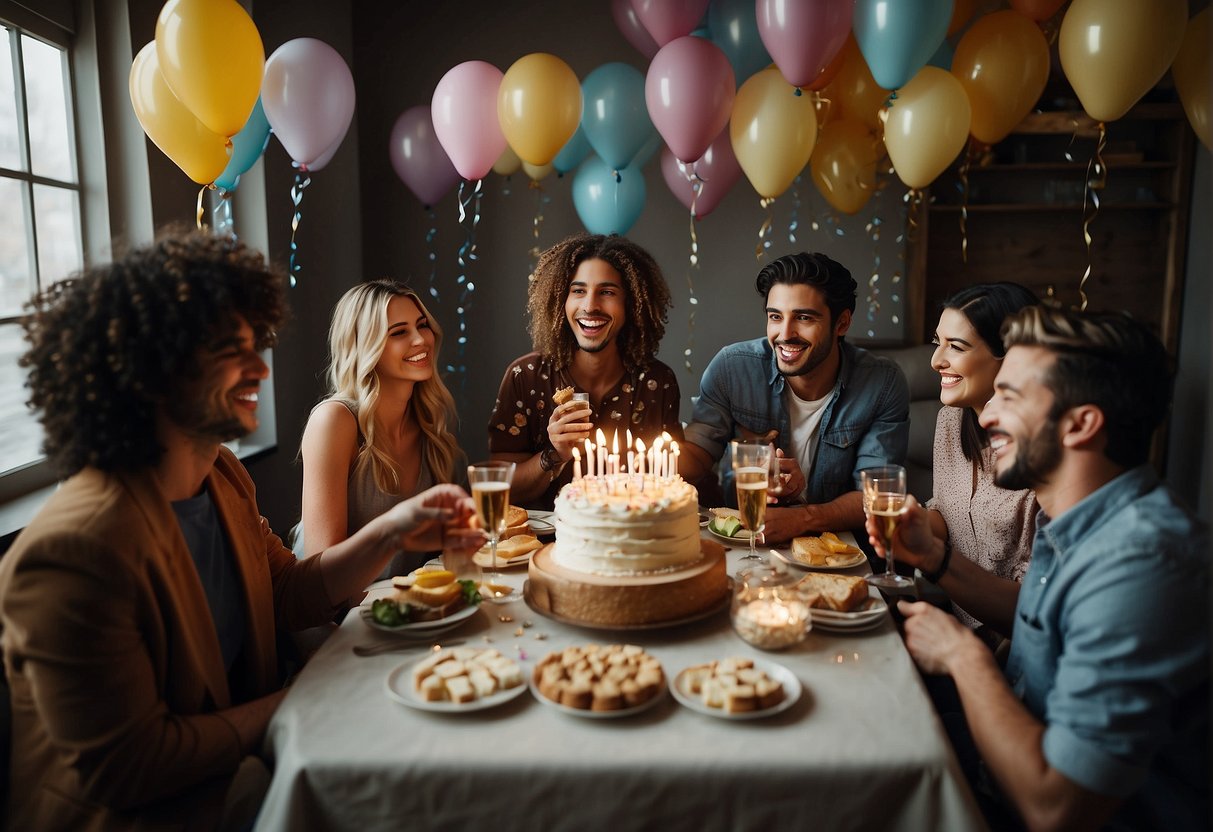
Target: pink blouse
{"type": "Point", "coordinates": [991, 526]}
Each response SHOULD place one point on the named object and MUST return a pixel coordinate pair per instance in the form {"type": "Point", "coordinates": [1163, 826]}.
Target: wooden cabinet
{"type": "Point", "coordinates": [1024, 219]}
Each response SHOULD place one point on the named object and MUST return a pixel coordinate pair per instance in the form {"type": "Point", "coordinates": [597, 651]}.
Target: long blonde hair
{"type": "Point", "coordinates": [357, 337]}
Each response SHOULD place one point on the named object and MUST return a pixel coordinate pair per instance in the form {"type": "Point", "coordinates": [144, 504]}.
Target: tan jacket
{"type": "Point", "coordinates": [118, 684]}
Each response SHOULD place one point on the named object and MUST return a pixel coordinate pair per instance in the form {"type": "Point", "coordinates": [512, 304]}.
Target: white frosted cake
{"type": "Point", "coordinates": [627, 554]}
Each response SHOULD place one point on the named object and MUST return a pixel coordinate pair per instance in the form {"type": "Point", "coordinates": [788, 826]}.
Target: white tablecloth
{"type": "Point", "coordinates": [862, 749]}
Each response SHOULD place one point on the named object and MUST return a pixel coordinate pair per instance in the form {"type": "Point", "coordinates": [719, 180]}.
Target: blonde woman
{"type": "Point", "coordinates": [385, 431]}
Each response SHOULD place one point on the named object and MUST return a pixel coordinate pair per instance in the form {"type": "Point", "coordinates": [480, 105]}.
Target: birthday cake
{"type": "Point", "coordinates": [627, 553]}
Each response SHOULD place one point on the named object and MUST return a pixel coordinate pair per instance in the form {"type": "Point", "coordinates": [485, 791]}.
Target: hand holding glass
{"type": "Point", "coordinates": [884, 494]}
{"type": "Point", "coordinates": [490, 483]}
{"type": "Point", "coordinates": [751, 471]}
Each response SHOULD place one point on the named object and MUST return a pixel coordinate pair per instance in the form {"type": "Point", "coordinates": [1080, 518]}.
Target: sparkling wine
{"type": "Point", "coordinates": [492, 499]}
{"type": "Point", "coordinates": [886, 507]}
{"type": "Point", "coordinates": [752, 497]}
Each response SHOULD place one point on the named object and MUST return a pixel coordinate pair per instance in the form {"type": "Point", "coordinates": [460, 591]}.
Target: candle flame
{"type": "Point", "coordinates": [601, 439]}
{"type": "Point", "coordinates": [639, 444]}
{"type": "Point", "coordinates": [615, 442]}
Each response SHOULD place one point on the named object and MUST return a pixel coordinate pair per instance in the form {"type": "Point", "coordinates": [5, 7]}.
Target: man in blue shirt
{"type": "Point", "coordinates": [831, 408]}
{"type": "Point", "coordinates": [1102, 717]}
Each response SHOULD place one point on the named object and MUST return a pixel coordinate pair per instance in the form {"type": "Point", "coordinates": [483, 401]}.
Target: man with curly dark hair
{"type": "Point", "coordinates": [139, 608]}
{"type": "Point", "coordinates": [829, 407]}
{"type": "Point", "coordinates": [598, 307]}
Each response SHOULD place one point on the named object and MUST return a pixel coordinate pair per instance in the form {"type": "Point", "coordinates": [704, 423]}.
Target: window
{"type": "Point", "coordinates": [41, 237]}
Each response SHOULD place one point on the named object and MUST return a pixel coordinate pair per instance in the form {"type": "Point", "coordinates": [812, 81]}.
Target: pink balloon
{"type": "Point", "coordinates": [308, 97]}
{"type": "Point", "coordinates": [465, 117]}
{"type": "Point", "coordinates": [718, 172]}
{"type": "Point", "coordinates": [324, 158]}
{"type": "Point", "coordinates": [418, 157]}
{"type": "Point", "coordinates": [666, 20]}
{"type": "Point", "coordinates": [689, 91]}
{"type": "Point", "coordinates": [803, 36]}
{"type": "Point", "coordinates": [631, 27]}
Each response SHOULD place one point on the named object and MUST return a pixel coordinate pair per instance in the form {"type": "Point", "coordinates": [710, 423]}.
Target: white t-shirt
{"type": "Point", "coordinates": [805, 417]}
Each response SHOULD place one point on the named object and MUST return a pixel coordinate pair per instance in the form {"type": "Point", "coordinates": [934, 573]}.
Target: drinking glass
{"type": "Point", "coordinates": [490, 483]}
{"type": "Point", "coordinates": [884, 494]}
{"type": "Point", "coordinates": [751, 471]}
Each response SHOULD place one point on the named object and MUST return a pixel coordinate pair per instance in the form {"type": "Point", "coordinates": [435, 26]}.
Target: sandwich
{"type": "Point", "coordinates": [827, 550]}
{"type": "Point", "coordinates": [516, 522]}
{"type": "Point", "coordinates": [431, 594]}
{"type": "Point", "coordinates": [843, 593]}
{"type": "Point", "coordinates": [508, 550]}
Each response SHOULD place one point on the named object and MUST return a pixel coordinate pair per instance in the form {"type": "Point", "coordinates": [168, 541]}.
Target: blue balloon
{"type": "Point", "coordinates": [614, 114]}
{"type": "Point", "coordinates": [646, 152]}
{"type": "Point", "coordinates": [247, 147]}
{"type": "Point", "coordinates": [943, 57]}
{"type": "Point", "coordinates": [607, 206]}
{"type": "Point", "coordinates": [573, 153]}
{"type": "Point", "coordinates": [897, 39]}
{"type": "Point", "coordinates": [734, 29]}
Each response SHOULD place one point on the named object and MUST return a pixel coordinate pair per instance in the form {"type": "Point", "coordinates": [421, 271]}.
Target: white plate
{"type": "Point", "coordinates": [838, 628]}
{"type": "Point", "coordinates": [420, 629]}
{"type": "Point", "coordinates": [785, 677]}
{"type": "Point", "coordinates": [741, 539]}
{"type": "Point", "coordinates": [398, 686]}
{"type": "Point", "coordinates": [485, 561]}
{"type": "Point", "coordinates": [834, 621]}
{"type": "Point", "coordinates": [541, 523]}
{"type": "Point", "coordinates": [586, 713]}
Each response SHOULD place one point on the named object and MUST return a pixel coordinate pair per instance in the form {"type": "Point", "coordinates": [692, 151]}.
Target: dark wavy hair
{"type": "Point", "coordinates": [986, 306]}
{"type": "Point", "coordinates": [108, 344]}
{"type": "Point", "coordinates": [648, 297]}
{"type": "Point", "coordinates": [829, 277]}
{"type": "Point", "coordinates": [1110, 361]}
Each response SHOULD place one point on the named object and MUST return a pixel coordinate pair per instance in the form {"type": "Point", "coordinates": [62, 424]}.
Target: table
{"type": "Point", "coordinates": [862, 749]}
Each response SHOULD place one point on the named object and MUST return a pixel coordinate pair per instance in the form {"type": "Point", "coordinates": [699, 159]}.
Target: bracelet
{"type": "Point", "coordinates": [934, 577]}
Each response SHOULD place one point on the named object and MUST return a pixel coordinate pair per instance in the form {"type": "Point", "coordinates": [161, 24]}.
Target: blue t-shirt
{"type": "Point", "coordinates": [865, 423]}
{"type": "Point", "coordinates": [213, 559]}
{"type": "Point", "coordinates": [1111, 650]}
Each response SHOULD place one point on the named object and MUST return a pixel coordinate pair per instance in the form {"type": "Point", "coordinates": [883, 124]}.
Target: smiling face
{"type": "Point", "coordinates": [965, 364]}
{"type": "Point", "coordinates": [1023, 433]}
{"type": "Point", "coordinates": [221, 404]}
{"type": "Point", "coordinates": [596, 308]}
{"type": "Point", "coordinates": [799, 327]}
{"type": "Point", "coordinates": [408, 351]}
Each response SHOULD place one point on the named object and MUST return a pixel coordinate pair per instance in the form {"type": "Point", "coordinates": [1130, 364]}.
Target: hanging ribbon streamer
{"type": "Point", "coordinates": [1097, 179]}
{"type": "Point", "coordinates": [794, 220]}
{"type": "Point", "coordinates": [200, 212]}
{"type": "Point", "coordinates": [432, 253]}
{"type": "Point", "coordinates": [467, 254]}
{"type": "Point", "coordinates": [692, 268]}
{"type": "Point", "coordinates": [763, 242]}
{"type": "Point", "coordinates": [963, 175]}
{"type": "Point", "coordinates": [541, 199]}
{"type": "Point", "coordinates": [302, 180]}
{"type": "Point", "coordinates": [913, 200]}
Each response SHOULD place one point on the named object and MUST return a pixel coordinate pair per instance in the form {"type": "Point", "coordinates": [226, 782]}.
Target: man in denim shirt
{"type": "Point", "coordinates": [831, 408]}
{"type": "Point", "coordinates": [1102, 717]}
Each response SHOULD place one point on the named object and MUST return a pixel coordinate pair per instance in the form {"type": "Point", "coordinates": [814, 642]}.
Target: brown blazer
{"type": "Point", "coordinates": [118, 684]}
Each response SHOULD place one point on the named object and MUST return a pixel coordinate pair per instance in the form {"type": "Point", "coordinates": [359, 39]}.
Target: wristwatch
{"type": "Point", "coordinates": [550, 461]}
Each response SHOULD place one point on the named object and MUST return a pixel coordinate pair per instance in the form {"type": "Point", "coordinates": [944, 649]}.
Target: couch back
{"type": "Point", "coordinates": [915, 362]}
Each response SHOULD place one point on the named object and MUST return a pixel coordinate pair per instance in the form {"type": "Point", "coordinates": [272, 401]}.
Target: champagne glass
{"type": "Point", "coordinates": [751, 471]}
{"type": "Point", "coordinates": [490, 483]}
{"type": "Point", "coordinates": [884, 494]}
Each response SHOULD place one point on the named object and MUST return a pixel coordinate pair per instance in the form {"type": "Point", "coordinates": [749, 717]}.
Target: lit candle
{"type": "Point", "coordinates": [640, 455]}
{"type": "Point", "coordinates": [675, 446]}
{"type": "Point", "coordinates": [657, 472]}
{"type": "Point", "coordinates": [589, 458]}
{"type": "Point", "coordinates": [602, 453]}
{"type": "Point", "coordinates": [615, 452]}
{"type": "Point", "coordinates": [576, 463]}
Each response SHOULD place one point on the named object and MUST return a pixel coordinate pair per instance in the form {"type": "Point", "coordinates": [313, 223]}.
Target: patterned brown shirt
{"type": "Point", "coordinates": [644, 401]}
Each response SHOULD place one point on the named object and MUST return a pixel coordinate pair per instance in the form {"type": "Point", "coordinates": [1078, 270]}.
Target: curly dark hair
{"type": "Point", "coordinates": [648, 297]}
{"type": "Point", "coordinates": [110, 342]}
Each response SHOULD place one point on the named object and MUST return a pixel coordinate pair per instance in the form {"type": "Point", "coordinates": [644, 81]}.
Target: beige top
{"type": "Point", "coordinates": [991, 526]}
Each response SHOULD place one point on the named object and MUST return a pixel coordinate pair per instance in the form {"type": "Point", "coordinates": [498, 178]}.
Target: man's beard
{"type": "Point", "coordinates": [816, 357]}
{"type": "Point", "coordinates": [1035, 459]}
{"type": "Point", "coordinates": [203, 421]}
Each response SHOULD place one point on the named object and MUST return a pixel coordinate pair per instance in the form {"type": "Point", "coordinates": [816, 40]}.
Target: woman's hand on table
{"type": "Point", "coordinates": [442, 517]}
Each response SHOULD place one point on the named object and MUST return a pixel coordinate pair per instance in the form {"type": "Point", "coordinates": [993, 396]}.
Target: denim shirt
{"type": "Point", "coordinates": [1111, 650]}
{"type": "Point", "coordinates": [866, 422]}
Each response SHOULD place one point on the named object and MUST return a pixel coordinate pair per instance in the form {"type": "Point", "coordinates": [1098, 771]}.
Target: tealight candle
{"type": "Point", "coordinates": [772, 623]}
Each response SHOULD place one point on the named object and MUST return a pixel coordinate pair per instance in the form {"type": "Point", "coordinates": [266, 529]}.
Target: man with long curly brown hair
{"type": "Point", "coordinates": [598, 307]}
{"type": "Point", "coordinates": [139, 608]}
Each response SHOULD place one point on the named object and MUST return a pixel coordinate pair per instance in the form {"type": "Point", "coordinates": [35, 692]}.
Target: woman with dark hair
{"type": "Point", "coordinates": [991, 526]}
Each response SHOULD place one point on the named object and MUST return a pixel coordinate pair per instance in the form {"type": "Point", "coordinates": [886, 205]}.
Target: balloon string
{"type": "Point", "coordinates": [765, 229]}
{"type": "Point", "coordinates": [432, 254]}
{"type": "Point", "coordinates": [794, 220]}
{"type": "Point", "coordinates": [1097, 179]}
{"type": "Point", "coordinates": [200, 211]}
{"type": "Point", "coordinates": [302, 180]}
{"type": "Point", "coordinates": [537, 223]}
{"type": "Point", "coordinates": [963, 174]}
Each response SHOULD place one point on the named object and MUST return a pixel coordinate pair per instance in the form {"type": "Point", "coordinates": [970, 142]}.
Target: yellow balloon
{"type": "Point", "coordinates": [212, 58]}
{"type": "Point", "coordinates": [773, 131]}
{"type": "Point", "coordinates": [1191, 73]}
{"type": "Point", "coordinates": [844, 164]}
{"type": "Point", "coordinates": [962, 10]}
{"type": "Point", "coordinates": [1003, 64]}
{"type": "Point", "coordinates": [1114, 51]}
{"type": "Point", "coordinates": [854, 93]}
{"type": "Point", "coordinates": [537, 172]}
{"type": "Point", "coordinates": [200, 153]}
{"type": "Point", "coordinates": [507, 163]}
{"type": "Point", "coordinates": [539, 106]}
{"type": "Point", "coordinates": [928, 124]}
